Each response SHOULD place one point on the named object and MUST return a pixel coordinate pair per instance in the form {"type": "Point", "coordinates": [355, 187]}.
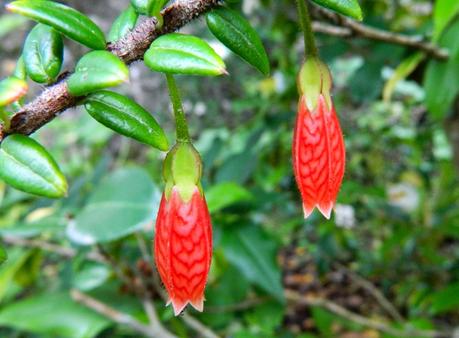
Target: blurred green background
{"type": "Point", "coordinates": [389, 254]}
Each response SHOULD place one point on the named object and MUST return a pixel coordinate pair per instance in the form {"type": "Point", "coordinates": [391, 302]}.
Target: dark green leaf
{"type": "Point", "coordinates": [254, 254]}
{"type": "Point", "coordinates": [446, 299]}
{"type": "Point", "coordinates": [97, 70]}
{"type": "Point", "coordinates": [12, 89]}
{"type": "Point", "coordinates": [42, 55]}
{"type": "Point", "coordinates": [126, 117]}
{"type": "Point", "coordinates": [3, 255]}
{"type": "Point", "coordinates": [53, 314]}
{"type": "Point", "coordinates": [349, 8]}
{"type": "Point", "coordinates": [27, 166]}
{"type": "Point", "coordinates": [183, 54]}
{"type": "Point", "coordinates": [440, 81]}
{"type": "Point", "coordinates": [235, 32]}
{"type": "Point", "coordinates": [65, 19]}
{"type": "Point", "coordinates": [122, 204]}
{"type": "Point", "coordinates": [123, 24]}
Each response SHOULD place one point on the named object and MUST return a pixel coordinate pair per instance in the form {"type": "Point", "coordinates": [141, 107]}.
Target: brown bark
{"type": "Point", "coordinates": [56, 99]}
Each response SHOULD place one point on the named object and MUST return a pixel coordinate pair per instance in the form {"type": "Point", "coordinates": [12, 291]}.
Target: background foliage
{"type": "Point", "coordinates": [396, 225]}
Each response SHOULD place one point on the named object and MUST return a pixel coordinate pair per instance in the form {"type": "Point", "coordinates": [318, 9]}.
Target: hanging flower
{"type": "Point", "coordinates": [318, 145]}
{"type": "Point", "coordinates": [183, 238]}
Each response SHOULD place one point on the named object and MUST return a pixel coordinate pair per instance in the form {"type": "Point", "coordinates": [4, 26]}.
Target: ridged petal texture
{"type": "Point", "coordinates": [319, 156]}
{"type": "Point", "coordinates": [183, 249]}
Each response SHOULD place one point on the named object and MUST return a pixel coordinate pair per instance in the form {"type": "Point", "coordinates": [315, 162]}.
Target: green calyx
{"type": "Point", "coordinates": [314, 80]}
{"type": "Point", "coordinates": [182, 169]}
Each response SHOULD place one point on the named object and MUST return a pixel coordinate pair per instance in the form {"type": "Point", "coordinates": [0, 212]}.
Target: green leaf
{"type": "Point", "coordinates": [445, 300]}
{"type": "Point", "coordinates": [349, 8]}
{"type": "Point", "coordinates": [126, 117]}
{"type": "Point", "coordinates": [225, 194]}
{"type": "Point", "coordinates": [16, 259]}
{"type": "Point", "coordinates": [97, 70]}
{"type": "Point", "coordinates": [440, 80]}
{"type": "Point", "coordinates": [65, 19]}
{"type": "Point", "coordinates": [43, 52]}
{"type": "Point", "coordinates": [27, 166]}
{"type": "Point", "coordinates": [11, 90]}
{"type": "Point", "coordinates": [123, 203]}
{"type": "Point", "coordinates": [123, 24]}
{"type": "Point", "coordinates": [444, 12]}
{"type": "Point", "coordinates": [3, 255]}
{"type": "Point", "coordinates": [254, 254]}
{"type": "Point", "coordinates": [404, 69]}
{"type": "Point", "coordinates": [92, 276]}
{"type": "Point", "coordinates": [54, 315]}
{"type": "Point", "coordinates": [236, 33]}
{"type": "Point", "coordinates": [183, 54]}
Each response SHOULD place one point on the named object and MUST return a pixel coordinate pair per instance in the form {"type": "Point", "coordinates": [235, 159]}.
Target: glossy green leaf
{"type": "Point", "coordinates": [183, 54]}
{"type": "Point", "coordinates": [12, 89]}
{"type": "Point", "coordinates": [440, 80]}
{"type": "Point", "coordinates": [97, 70]}
{"type": "Point", "coordinates": [123, 24]}
{"type": "Point", "coordinates": [126, 117]}
{"type": "Point", "coordinates": [65, 19]}
{"type": "Point", "coordinates": [27, 166]}
{"type": "Point", "coordinates": [53, 315]}
{"type": "Point", "coordinates": [403, 70]}
{"type": "Point", "coordinates": [43, 52]}
{"type": "Point", "coordinates": [254, 254]}
{"type": "Point", "coordinates": [349, 8]}
{"type": "Point", "coordinates": [236, 33]}
{"type": "Point", "coordinates": [225, 194]}
{"type": "Point", "coordinates": [123, 203]}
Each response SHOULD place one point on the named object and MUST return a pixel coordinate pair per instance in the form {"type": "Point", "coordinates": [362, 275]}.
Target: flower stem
{"type": "Point", "coordinates": [310, 48]}
{"type": "Point", "coordinates": [181, 125]}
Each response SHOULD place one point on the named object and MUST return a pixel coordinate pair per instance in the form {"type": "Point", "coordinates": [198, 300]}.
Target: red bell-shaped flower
{"type": "Point", "coordinates": [183, 248]}
{"type": "Point", "coordinates": [183, 238]}
{"type": "Point", "coordinates": [318, 147]}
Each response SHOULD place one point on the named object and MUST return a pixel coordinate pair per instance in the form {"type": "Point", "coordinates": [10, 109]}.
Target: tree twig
{"type": "Point", "coordinates": [56, 98]}
{"type": "Point", "coordinates": [51, 247]}
{"type": "Point", "coordinates": [196, 325]}
{"type": "Point", "coordinates": [117, 316]}
{"type": "Point", "coordinates": [361, 320]}
{"type": "Point", "coordinates": [347, 28]}
{"type": "Point", "coordinates": [374, 291]}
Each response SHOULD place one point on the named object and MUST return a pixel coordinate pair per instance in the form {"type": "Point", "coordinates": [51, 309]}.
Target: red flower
{"type": "Point", "coordinates": [183, 248]}
{"type": "Point", "coordinates": [318, 155]}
